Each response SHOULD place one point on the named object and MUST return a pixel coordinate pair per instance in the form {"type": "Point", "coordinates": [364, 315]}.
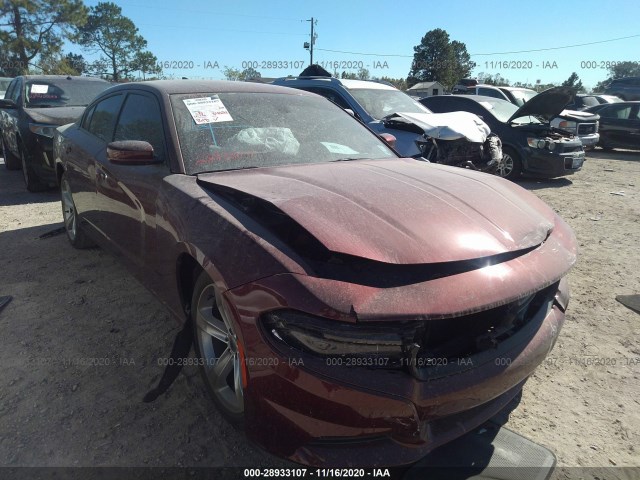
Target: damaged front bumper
{"type": "Point", "coordinates": [336, 410]}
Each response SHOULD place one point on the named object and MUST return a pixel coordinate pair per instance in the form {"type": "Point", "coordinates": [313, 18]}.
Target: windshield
{"type": "Point", "coordinates": [63, 92]}
{"type": "Point", "coordinates": [230, 131]}
{"type": "Point", "coordinates": [4, 83]}
{"type": "Point", "coordinates": [379, 103]}
{"type": "Point", "coordinates": [503, 110]}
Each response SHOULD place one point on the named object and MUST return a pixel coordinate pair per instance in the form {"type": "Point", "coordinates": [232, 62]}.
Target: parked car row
{"type": "Point", "coordinates": [530, 144]}
{"type": "Point", "coordinates": [33, 106]}
{"type": "Point", "coordinates": [317, 271]}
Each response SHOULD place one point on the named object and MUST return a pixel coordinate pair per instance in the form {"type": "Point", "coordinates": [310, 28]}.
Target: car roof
{"type": "Point", "coordinates": [474, 98]}
{"type": "Point", "coordinates": [356, 84]}
{"type": "Point", "coordinates": [517, 89]}
{"type": "Point", "coordinates": [169, 87]}
{"type": "Point", "coordinates": [63, 77]}
{"type": "Point", "coordinates": [345, 82]}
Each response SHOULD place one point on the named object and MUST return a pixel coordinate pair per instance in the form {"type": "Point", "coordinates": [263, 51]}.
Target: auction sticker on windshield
{"type": "Point", "coordinates": [39, 88]}
{"type": "Point", "coordinates": [207, 110]}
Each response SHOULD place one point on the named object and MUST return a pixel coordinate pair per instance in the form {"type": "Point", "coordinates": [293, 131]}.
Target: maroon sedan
{"type": "Point", "coordinates": [349, 307]}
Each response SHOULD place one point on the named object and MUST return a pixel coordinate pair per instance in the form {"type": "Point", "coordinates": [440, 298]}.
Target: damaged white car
{"type": "Point", "coordinates": [459, 138]}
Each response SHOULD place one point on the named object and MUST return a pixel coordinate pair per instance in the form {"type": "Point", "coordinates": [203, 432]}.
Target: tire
{"type": "Point", "coordinates": [76, 236]}
{"type": "Point", "coordinates": [219, 350]}
{"type": "Point", "coordinates": [11, 162]}
{"type": "Point", "coordinates": [511, 165]}
{"type": "Point", "coordinates": [31, 180]}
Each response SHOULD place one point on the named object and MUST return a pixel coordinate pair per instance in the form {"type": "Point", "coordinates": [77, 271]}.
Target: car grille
{"type": "Point", "coordinates": [450, 345]}
{"type": "Point", "coordinates": [587, 128]}
{"type": "Point", "coordinates": [571, 149]}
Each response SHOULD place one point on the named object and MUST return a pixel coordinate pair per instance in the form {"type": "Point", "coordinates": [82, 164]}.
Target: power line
{"type": "Point", "coordinates": [557, 48]}
{"type": "Point", "coordinates": [486, 54]}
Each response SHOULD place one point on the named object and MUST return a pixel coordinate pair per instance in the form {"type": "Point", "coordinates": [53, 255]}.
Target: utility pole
{"type": "Point", "coordinates": [309, 45]}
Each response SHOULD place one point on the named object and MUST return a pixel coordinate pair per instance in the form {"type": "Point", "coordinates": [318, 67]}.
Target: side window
{"type": "Point", "coordinates": [86, 119]}
{"type": "Point", "coordinates": [103, 119]}
{"type": "Point", "coordinates": [335, 97]}
{"type": "Point", "coordinates": [141, 120]}
{"type": "Point", "coordinates": [13, 90]}
{"type": "Point", "coordinates": [606, 112]}
{"type": "Point", "coordinates": [490, 93]}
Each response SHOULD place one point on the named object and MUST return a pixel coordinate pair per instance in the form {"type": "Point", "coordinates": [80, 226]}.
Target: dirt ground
{"type": "Point", "coordinates": [80, 343]}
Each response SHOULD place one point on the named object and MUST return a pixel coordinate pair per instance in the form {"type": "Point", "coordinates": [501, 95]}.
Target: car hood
{"type": "Point", "coordinates": [55, 115]}
{"type": "Point", "coordinates": [578, 115]}
{"type": "Point", "coordinates": [449, 126]}
{"type": "Point", "coordinates": [547, 104]}
{"type": "Point", "coordinates": [398, 211]}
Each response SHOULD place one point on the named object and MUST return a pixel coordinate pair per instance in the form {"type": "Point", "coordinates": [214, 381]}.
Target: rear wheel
{"type": "Point", "coordinates": [31, 180]}
{"type": "Point", "coordinates": [76, 236]}
{"type": "Point", "coordinates": [218, 348]}
{"type": "Point", "coordinates": [511, 165]}
{"type": "Point", "coordinates": [11, 162]}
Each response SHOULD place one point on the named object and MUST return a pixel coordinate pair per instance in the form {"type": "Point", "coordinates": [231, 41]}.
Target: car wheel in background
{"type": "Point", "coordinates": [11, 162]}
{"type": "Point", "coordinates": [76, 236]}
{"type": "Point", "coordinates": [511, 165]}
{"type": "Point", "coordinates": [218, 348]}
{"type": "Point", "coordinates": [31, 180]}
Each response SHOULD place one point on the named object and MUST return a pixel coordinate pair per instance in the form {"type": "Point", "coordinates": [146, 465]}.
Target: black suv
{"type": "Point", "coordinates": [33, 106]}
{"type": "Point", "coordinates": [627, 88]}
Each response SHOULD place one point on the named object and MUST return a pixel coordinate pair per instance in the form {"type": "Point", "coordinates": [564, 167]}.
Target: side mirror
{"type": "Point", "coordinates": [7, 103]}
{"type": "Point", "coordinates": [388, 139]}
{"type": "Point", "coordinates": [131, 152]}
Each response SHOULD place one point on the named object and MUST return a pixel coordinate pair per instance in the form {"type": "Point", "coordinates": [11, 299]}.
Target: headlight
{"type": "Point", "coordinates": [568, 125]}
{"type": "Point", "coordinates": [42, 129]}
{"type": "Point", "coordinates": [541, 143]}
{"type": "Point", "coordinates": [327, 338]}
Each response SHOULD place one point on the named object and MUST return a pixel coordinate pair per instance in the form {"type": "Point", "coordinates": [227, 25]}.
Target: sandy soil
{"type": "Point", "coordinates": [81, 342]}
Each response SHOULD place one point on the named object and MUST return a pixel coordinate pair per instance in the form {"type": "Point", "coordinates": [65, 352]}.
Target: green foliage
{"type": "Point", "coordinates": [146, 63]}
{"type": "Point", "coordinates": [249, 73]}
{"type": "Point", "coordinates": [363, 74]}
{"type": "Point", "coordinates": [231, 73]}
{"type": "Point", "coordinates": [399, 83]}
{"type": "Point", "coordinates": [497, 80]}
{"type": "Point", "coordinates": [115, 36]}
{"type": "Point", "coordinates": [33, 29]}
{"type": "Point", "coordinates": [437, 58]}
{"type": "Point", "coordinates": [58, 64]}
{"type": "Point", "coordinates": [575, 82]}
{"type": "Point", "coordinates": [625, 69]}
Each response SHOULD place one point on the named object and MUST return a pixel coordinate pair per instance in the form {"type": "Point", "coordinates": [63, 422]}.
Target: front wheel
{"type": "Point", "coordinates": [511, 165]}
{"type": "Point", "coordinates": [219, 349]}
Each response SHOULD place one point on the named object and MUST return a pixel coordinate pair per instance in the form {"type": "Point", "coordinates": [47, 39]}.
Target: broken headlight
{"type": "Point", "coordinates": [332, 338]}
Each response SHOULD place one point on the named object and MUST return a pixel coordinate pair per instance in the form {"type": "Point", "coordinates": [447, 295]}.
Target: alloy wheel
{"type": "Point", "coordinates": [219, 350]}
{"type": "Point", "coordinates": [506, 166]}
{"type": "Point", "coordinates": [68, 210]}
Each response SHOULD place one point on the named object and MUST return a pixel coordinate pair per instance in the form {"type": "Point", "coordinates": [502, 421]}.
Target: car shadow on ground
{"type": "Point", "coordinates": [13, 191]}
{"type": "Point", "coordinates": [617, 154]}
{"type": "Point", "coordinates": [540, 183]}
